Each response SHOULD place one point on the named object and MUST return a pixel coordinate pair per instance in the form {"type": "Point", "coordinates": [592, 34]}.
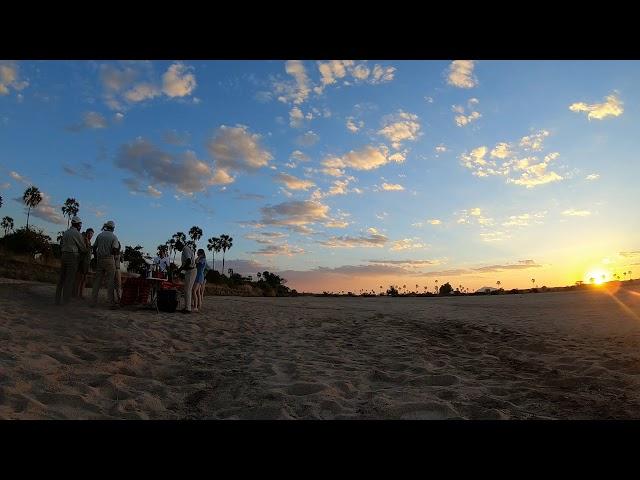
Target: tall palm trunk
{"type": "Point", "coordinates": [28, 213]}
{"type": "Point", "coordinates": [223, 252]}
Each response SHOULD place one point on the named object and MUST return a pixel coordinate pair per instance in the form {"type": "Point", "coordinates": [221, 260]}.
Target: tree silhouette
{"type": "Point", "coordinates": [70, 208]}
{"type": "Point", "coordinates": [195, 233]}
{"type": "Point", "coordinates": [7, 225]}
{"type": "Point", "coordinates": [213, 245]}
{"type": "Point", "coordinates": [0, 201]}
{"type": "Point", "coordinates": [31, 198]}
{"type": "Point", "coordinates": [226, 242]}
{"type": "Point", "coordinates": [592, 280]}
{"type": "Point", "coordinates": [180, 239]}
{"type": "Point", "coordinates": [498, 283]}
{"type": "Point", "coordinates": [59, 237]}
{"type": "Point", "coordinates": [533, 280]}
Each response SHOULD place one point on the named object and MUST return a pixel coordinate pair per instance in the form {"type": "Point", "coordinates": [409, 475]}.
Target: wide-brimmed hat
{"type": "Point", "coordinates": [76, 219]}
{"type": "Point", "coordinates": [110, 224]}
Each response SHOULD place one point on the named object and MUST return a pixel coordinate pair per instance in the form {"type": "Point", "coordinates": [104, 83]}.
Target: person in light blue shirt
{"type": "Point", "coordinates": [198, 287]}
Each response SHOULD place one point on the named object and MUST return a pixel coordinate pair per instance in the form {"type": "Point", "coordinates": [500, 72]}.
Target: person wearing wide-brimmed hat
{"type": "Point", "coordinates": [72, 246]}
{"type": "Point", "coordinates": [106, 246]}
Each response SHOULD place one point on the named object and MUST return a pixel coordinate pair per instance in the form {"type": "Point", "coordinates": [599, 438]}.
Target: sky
{"type": "Point", "coordinates": [340, 175]}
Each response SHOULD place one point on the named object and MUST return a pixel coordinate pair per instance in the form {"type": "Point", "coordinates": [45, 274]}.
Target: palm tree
{"type": "Point", "coordinates": [498, 283]}
{"type": "Point", "coordinates": [70, 208]}
{"type": "Point", "coordinates": [226, 242]}
{"type": "Point", "coordinates": [629, 274]}
{"type": "Point", "coordinates": [178, 237]}
{"type": "Point", "coordinates": [259, 275]}
{"type": "Point", "coordinates": [436, 282]}
{"type": "Point", "coordinates": [195, 233]}
{"type": "Point", "coordinates": [7, 224]}
{"type": "Point", "coordinates": [31, 198]}
{"type": "Point", "coordinates": [533, 280]}
{"type": "Point", "coordinates": [213, 245]}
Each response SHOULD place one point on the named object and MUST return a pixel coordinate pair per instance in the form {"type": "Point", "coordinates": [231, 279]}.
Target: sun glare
{"type": "Point", "coordinates": [597, 276]}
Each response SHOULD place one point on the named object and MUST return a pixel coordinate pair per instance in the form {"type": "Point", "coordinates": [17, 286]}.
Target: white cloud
{"type": "Point", "coordinates": [611, 107]}
{"type": "Point", "coordinates": [367, 158]}
{"type": "Point", "coordinates": [185, 172]}
{"type": "Point", "coordinates": [463, 119]}
{"type": "Point", "coordinates": [372, 238]}
{"type": "Point", "coordinates": [295, 213]}
{"type": "Point", "coordinates": [10, 78]}
{"type": "Point", "coordinates": [518, 162]}
{"type": "Point", "coordinates": [593, 176]}
{"type": "Point", "coordinates": [178, 81]}
{"type": "Point", "coordinates": [123, 85]}
{"type": "Point", "coordinates": [400, 127]}
{"type": "Point", "coordinates": [295, 91]}
{"type": "Point", "coordinates": [90, 120]}
{"type": "Point", "coordinates": [349, 71]}
{"type": "Point", "coordinates": [576, 213]}
{"type": "Point", "coordinates": [353, 126]}
{"type": "Point", "coordinates": [296, 118]}
{"type": "Point", "coordinates": [294, 183]}
{"type": "Point", "coordinates": [408, 244]}
{"type": "Point", "coordinates": [236, 149]}
{"type": "Point", "coordinates": [461, 74]}
{"type": "Point", "coordinates": [441, 148]}
{"type": "Point", "coordinates": [392, 187]}
{"type": "Point", "coordinates": [435, 221]}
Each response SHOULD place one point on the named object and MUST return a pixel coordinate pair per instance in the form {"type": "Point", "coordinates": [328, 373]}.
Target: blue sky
{"type": "Point", "coordinates": [341, 175]}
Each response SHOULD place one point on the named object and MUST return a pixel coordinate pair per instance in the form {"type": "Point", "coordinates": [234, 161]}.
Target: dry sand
{"type": "Point", "coordinates": [573, 355]}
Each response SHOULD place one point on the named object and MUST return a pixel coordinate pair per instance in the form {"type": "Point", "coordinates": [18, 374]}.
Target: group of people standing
{"type": "Point", "coordinates": [77, 252]}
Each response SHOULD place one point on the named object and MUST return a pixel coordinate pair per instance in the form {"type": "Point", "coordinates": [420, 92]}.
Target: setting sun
{"type": "Point", "coordinates": [597, 276]}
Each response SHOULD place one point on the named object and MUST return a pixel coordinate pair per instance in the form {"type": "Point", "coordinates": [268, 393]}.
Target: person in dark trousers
{"type": "Point", "coordinates": [72, 246]}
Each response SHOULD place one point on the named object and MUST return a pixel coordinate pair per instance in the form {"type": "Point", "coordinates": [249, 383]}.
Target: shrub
{"type": "Point", "coordinates": [28, 241]}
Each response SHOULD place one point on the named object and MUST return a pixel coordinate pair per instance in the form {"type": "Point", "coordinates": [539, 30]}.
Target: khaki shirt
{"type": "Point", "coordinates": [105, 242]}
{"type": "Point", "coordinates": [73, 242]}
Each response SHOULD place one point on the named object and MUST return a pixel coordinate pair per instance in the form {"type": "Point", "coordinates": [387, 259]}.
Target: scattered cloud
{"type": "Point", "coordinates": [295, 213]}
{"type": "Point", "coordinates": [19, 178]}
{"type": "Point", "coordinates": [354, 126]}
{"type": "Point", "coordinates": [593, 176]}
{"type": "Point", "coordinates": [461, 74]}
{"type": "Point", "coordinates": [10, 78]}
{"type": "Point", "coordinates": [294, 183]}
{"type": "Point", "coordinates": [400, 127]}
{"type": "Point", "coordinates": [151, 165]}
{"type": "Point", "coordinates": [497, 236]}
{"type": "Point", "coordinates": [372, 238]}
{"type": "Point", "coordinates": [611, 107]}
{"type": "Point", "coordinates": [407, 244]}
{"type": "Point", "coordinates": [576, 213]}
{"type": "Point", "coordinates": [236, 149]}
{"type": "Point", "coordinates": [279, 249]}
{"type": "Point", "coordinates": [441, 148]}
{"type": "Point", "coordinates": [435, 221]}
{"type": "Point", "coordinates": [392, 187]}
{"type": "Point", "coordinates": [521, 265]}
{"type": "Point", "coordinates": [518, 162]}
{"type": "Point", "coordinates": [367, 158]}
{"type": "Point", "coordinates": [90, 121]}
{"type": "Point", "coordinates": [524, 220]}
{"type": "Point", "coordinates": [133, 82]}
{"type": "Point", "coordinates": [633, 253]}
{"type": "Point", "coordinates": [468, 115]}
{"type": "Point", "coordinates": [178, 81]}
{"type": "Point", "coordinates": [349, 72]}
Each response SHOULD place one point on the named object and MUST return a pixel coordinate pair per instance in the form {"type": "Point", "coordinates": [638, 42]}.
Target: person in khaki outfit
{"type": "Point", "coordinates": [72, 246]}
{"type": "Point", "coordinates": [106, 246]}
